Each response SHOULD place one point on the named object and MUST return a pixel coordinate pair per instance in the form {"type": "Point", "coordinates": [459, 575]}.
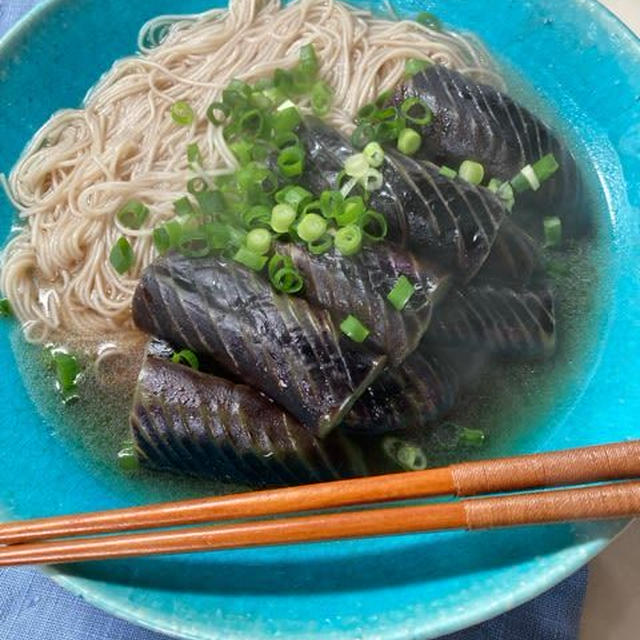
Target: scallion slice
{"type": "Point", "coordinates": [133, 214]}
{"type": "Point", "coordinates": [356, 165]}
{"type": "Point", "coordinates": [285, 120]}
{"type": "Point", "coordinates": [351, 212]}
{"type": "Point", "coordinates": [448, 172]}
{"type": "Point", "coordinates": [250, 259]}
{"type": "Point", "coordinates": [259, 241]}
{"type": "Point", "coordinates": [409, 141]}
{"type": "Point", "coordinates": [218, 112]}
{"type": "Point", "coordinates": [308, 60]}
{"type": "Point", "coordinates": [373, 225]}
{"type": "Point", "coordinates": [546, 167]}
{"type": "Point", "coordinates": [251, 123]}
{"type": "Point", "coordinates": [257, 216]}
{"type": "Point", "coordinates": [128, 459]}
{"type": "Point", "coordinates": [348, 239]}
{"type": "Point", "coordinates": [401, 293]}
{"type": "Point", "coordinates": [186, 356]}
{"type": "Point", "coordinates": [552, 231]}
{"type": "Point", "coordinates": [320, 245]}
{"type": "Point", "coordinates": [197, 185]}
{"type": "Point", "coordinates": [194, 244]}
{"type": "Point", "coordinates": [282, 217]}
{"type": "Point", "coordinates": [354, 329]}
{"type": "Point", "coordinates": [5, 307]}
{"type": "Point", "coordinates": [331, 203]}
{"type": "Point", "coordinates": [294, 195]}
{"type": "Point", "coordinates": [321, 98]}
{"type": "Point", "coordinates": [374, 154]}
{"type": "Point", "coordinates": [194, 157]}
{"type": "Point", "coordinates": [67, 371]}
{"type": "Point", "coordinates": [415, 65]}
{"type": "Point", "coordinates": [471, 171]}
{"type": "Point", "coordinates": [416, 111]}
{"type": "Point", "coordinates": [311, 227]}
{"type": "Point", "coordinates": [291, 161]}
{"type": "Point", "coordinates": [283, 275]}
{"type": "Point", "coordinates": [430, 20]}
{"type": "Point", "coordinates": [121, 256]}
{"type": "Point", "coordinates": [363, 134]}
{"type": "Point", "coordinates": [182, 113]}
{"type": "Point", "coordinates": [494, 185]}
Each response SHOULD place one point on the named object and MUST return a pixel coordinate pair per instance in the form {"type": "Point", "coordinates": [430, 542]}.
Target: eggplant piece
{"type": "Point", "coordinates": [360, 284]}
{"type": "Point", "coordinates": [420, 391]}
{"type": "Point", "coordinates": [476, 121]}
{"type": "Point", "coordinates": [450, 222]}
{"type": "Point", "coordinates": [514, 257]}
{"type": "Point", "coordinates": [278, 344]}
{"type": "Point", "coordinates": [498, 320]}
{"type": "Point", "coordinates": [193, 423]}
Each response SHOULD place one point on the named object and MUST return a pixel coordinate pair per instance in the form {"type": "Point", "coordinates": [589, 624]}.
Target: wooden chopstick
{"type": "Point", "coordinates": [570, 467]}
{"type": "Point", "coordinates": [616, 500]}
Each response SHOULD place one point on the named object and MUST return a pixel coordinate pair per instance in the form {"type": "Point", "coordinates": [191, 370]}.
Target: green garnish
{"type": "Point", "coordinates": [448, 172]}
{"type": "Point", "coordinates": [218, 112]}
{"type": "Point", "coordinates": [5, 308]}
{"type": "Point", "coordinates": [409, 141]}
{"type": "Point", "coordinates": [311, 227]}
{"type": "Point", "coordinates": [321, 245]}
{"type": "Point", "coordinates": [373, 225]}
{"type": "Point", "coordinates": [282, 217]}
{"type": "Point", "coordinates": [250, 259]}
{"type": "Point", "coordinates": [354, 329]}
{"type": "Point", "coordinates": [186, 356]}
{"type": "Point", "coordinates": [67, 371]}
{"type": "Point", "coordinates": [401, 293]}
{"type": "Point", "coordinates": [321, 98]}
{"type": "Point", "coordinates": [414, 65]}
{"type": "Point", "coordinates": [545, 167]}
{"type": "Point", "coordinates": [291, 161]}
{"type": "Point", "coordinates": [183, 207]}
{"type": "Point", "coordinates": [182, 113]}
{"type": "Point", "coordinates": [416, 111]}
{"type": "Point", "coordinates": [374, 154]}
{"type": "Point", "coordinates": [348, 239]}
{"type": "Point", "coordinates": [471, 171]}
{"type": "Point", "coordinates": [259, 241]}
{"type": "Point", "coordinates": [128, 459]}
{"type": "Point", "coordinates": [430, 20]}
{"type": "Point", "coordinates": [283, 275]}
{"type": "Point", "coordinates": [552, 231]}
{"type": "Point", "coordinates": [133, 214]}
{"type": "Point", "coordinates": [121, 256]}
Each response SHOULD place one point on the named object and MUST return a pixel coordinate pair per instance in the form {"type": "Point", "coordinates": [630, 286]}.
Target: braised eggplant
{"type": "Point", "coordinates": [360, 285]}
{"type": "Point", "coordinates": [194, 423]}
{"type": "Point", "coordinates": [497, 320]}
{"type": "Point", "coordinates": [476, 121]}
{"type": "Point", "coordinates": [451, 222]}
{"type": "Point", "coordinates": [276, 343]}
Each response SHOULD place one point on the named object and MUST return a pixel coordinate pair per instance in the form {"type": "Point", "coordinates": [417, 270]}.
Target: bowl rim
{"type": "Point", "coordinates": [577, 557]}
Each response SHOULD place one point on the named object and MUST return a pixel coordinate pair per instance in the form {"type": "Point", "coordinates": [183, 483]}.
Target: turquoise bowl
{"type": "Point", "coordinates": [586, 67]}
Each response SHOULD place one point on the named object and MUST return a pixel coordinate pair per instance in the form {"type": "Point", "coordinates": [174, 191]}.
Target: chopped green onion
{"type": "Point", "coordinates": [198, 185]}
{"type": "Point", "coordinates": [366, 112]}
{"type": "Point", "coordinates": [430, 20]}
{"type": "Point", "coordinates": [356, 165]}
{"type": "Point", "coordinates": [261, 84]}
{"type": "Point", "coordinates": [194, 244]}
{"type": "Point", "coordinates": [372, 179]}
{"type": "Point", "coordinates": [546, 167]}
{"type": "Point", "coordinates": [373, 225]}
{"type": "Point", "coordinates": [505, 193]}
{"type": "Point", "coordinates": [282, 217]}
{"type": "Point", "coordinates": [494, 185]}
{"type": "Point", "coordinates": [450, 436]}
{"type": "Point", "coordinates": [363, 134]}
{"type": "Point", "coordinates": [283, 81]}
{"type": "Point", "coordinates": [259, 241]}
{"type": "Point", "coordinates": [311, 227]}
{"type": "Point", "coordinates": [409, 141]}
{"type": "Point", "coordinates": [260, 150]}
{"type": "Point", "coordinates": [133, 214]}
{"type": "Point", "coordinates": [67, 371]}
{"type": "Point", "coordinates": [295, 196]}
{"type": "Point", "coordinates": [218, 112]}
{"type": "Point", "coordinates": [236, 94]}
{"type": "Point", "coordinates": [255, 175]}
{"type": "Point", "coordinates": [389, 131]}
{"type": "Point", "coordinates": [416, 111]}
{"type": "Point", "coordinates": [242, 151]}
{"type": "Point", "coordinates": [321, 98]}
{"type": "Point", "coordinates": [257, 216]}
{"type": "Point", "coordinates": [167, 236]}
{"type": "Point", "coordinates": [250, 259]}
{"type": "Point", "coordinates": [383, 99]}
{"type": "Point", "coordinates": [186, 356]}
{"type": "Point", "coordinates": [471, 171]}
{"type": "Point", "coordinates": [251, 123]}
{"type": "Point", "coordinates": [448, 172]}
{"type": "Point", "coordinates": [354, 329]}
{"type": "Point", "coordinates": [211, 202]}
{"type": "Point", "coordinates": [220, 236]}
{"type": "Point", "coordinates": [121, 256]}
{"type": "Point", "coordinates": [128, 459]}
{"type": "Point", "coordinates": [414, 65]}
{"type": "Point", "coordinates": [283, 275]}
{"type": "Point", "coordinates": [407, 455]}
{"type": "Point", "coordinates": [388, 113]}
{"type": "Point", "coordinates": [525, 180]}
{"type": "Point", "coordinates": [552, 231]}
{"type": "Point", "coordinates": [331, 203]}
{"type": "Point", "coordinates": [286, 139]}
{"type": "Point", "coordinates": [401, 293]}
{"type": "Point", "coordinates": [351, 212]}
{"type": "Point", "coordinates": [308, 60]}
{"type": "Point", "coordinates": [320, 245]}
{"type": "Point", "coordinates": [260, 101]}
{"type": "Point", "coordinates": [5, 307]}
{"type": "Point", "coordinates": [182, 113]}
{"type": "Point", "coordinates": [348, 239]}
{"type": "Point", "coordinates": [291, 161]}
{"type": "Point", "coordinates": [194, 157]}
{"type": "Point", "coordinates": [374, 154]}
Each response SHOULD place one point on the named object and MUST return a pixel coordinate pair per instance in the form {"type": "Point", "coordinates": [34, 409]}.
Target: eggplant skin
{"type": "Point", "coordinates": [476, 121]}
{"type": "Point", "coordinates": [514, 257]}
{"type": "Point", "coordinates": [277, 343]}
{"type": "Point", "coordinates": [500, 321]}
{"type": "Point", "coordinates": [449, 222]}
{"type": "Point", "coordinates": [196, 424]}
{"type": "Point", "coordinates": [360, 285]}
{"type": "Point", "coordinates": [422, 390]}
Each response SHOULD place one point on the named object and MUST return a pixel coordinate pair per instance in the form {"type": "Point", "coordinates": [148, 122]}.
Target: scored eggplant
{"type": "Point", "coordinates": [194, 423]}
{"type": "Point", "coordinates": [421, 390]}
{"type": "Point", "coordinates": [498, 320]}
{"type": "Point", "coordinates": [451, 222]}
{"type": "Point", "coordinates": [277, 343]}
{"type": "Point", "coordinates": [477, 122]}
{"type": "Point", "coordinates": [360, 285]}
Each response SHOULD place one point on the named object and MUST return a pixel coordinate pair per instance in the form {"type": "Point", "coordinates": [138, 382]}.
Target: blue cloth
{"type": "Point", "coordinates": [32, 607]}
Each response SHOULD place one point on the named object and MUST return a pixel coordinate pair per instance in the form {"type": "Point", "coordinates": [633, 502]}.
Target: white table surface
{"type": "Point", "coordinates": [612, 607]}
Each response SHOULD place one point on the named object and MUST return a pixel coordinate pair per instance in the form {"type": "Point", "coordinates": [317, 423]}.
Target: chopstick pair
{"type": "Point", "coordinates": [36, 541]}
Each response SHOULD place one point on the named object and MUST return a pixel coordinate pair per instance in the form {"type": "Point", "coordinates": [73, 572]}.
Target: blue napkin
{"type": "Point", "coordinates": [32, 607]}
